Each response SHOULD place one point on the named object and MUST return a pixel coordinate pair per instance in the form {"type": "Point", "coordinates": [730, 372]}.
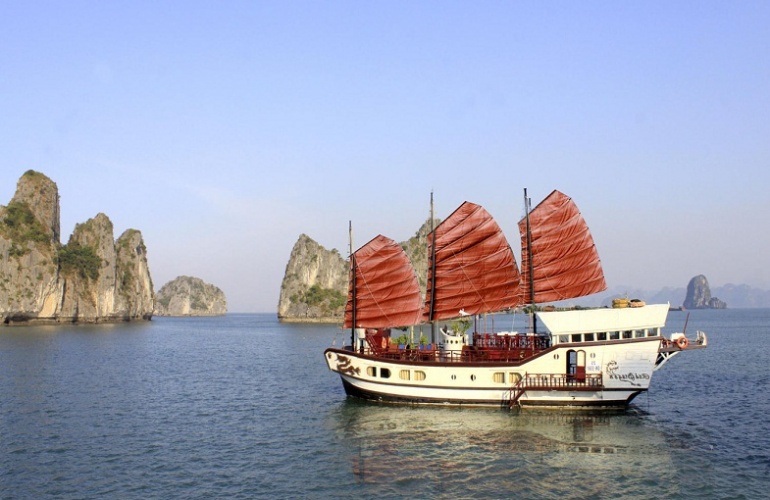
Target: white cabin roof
{"type": "Point", "coordinates": [604, 320]}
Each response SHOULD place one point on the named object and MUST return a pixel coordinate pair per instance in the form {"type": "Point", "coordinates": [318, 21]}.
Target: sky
{"type": "Point", "coordinates": [225, 130]}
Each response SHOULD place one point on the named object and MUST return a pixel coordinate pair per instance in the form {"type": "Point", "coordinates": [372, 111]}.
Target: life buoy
{"type": "Point", "coordinates": [682, 342]}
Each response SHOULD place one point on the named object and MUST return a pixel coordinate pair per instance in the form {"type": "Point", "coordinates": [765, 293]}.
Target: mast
{"type": "Point", "coordinates": [432, 259]}
{"type": "Point", "coordinates": [353, 286]}
{"type": "Point", "coordinates": [530, 266]}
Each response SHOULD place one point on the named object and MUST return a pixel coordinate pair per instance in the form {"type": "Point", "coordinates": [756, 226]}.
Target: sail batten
{"type": "Point", "coordinates": [565, 262]}
{"type": "Point", "coordinates": [473, 269]}
{"type": "Point", "coordinates": [383, 287]}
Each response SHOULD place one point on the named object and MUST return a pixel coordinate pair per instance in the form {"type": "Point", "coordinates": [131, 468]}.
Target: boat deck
{"type": "Point", "coordinates": [468, 354]}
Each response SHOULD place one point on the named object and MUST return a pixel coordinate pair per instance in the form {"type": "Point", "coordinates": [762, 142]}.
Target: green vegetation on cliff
{"type": "Point", "coordinates": [328, 300]}
{"type": "Point", "coordinates": [76, 259]}
{"type": "Point", "coordinates": [20, 226]}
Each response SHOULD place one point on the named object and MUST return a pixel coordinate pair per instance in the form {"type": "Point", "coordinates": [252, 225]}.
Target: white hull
{"type": "Point", "coordinates": [615, 372]}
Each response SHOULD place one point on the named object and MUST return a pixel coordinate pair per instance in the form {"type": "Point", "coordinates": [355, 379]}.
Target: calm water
{"type": "Point", "coordinates": [244, 407]}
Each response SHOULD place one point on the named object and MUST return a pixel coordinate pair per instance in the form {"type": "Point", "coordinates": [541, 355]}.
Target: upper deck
{"type": "Point", "coordinates": [648, 317]}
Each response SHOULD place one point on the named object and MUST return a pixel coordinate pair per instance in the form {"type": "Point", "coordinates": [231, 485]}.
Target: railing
{"type": "Point", "coordinates": [486, 348]}
{"type": "Point", "coordinates": [553, 382]}
{"type": "Point", "coordinates": [494, 341]}
{"type": "Point", "coordinates": [467, 355]}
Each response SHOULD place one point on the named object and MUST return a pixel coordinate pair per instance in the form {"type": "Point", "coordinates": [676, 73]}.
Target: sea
{"type": "Point", "coordinates": [243, 407]}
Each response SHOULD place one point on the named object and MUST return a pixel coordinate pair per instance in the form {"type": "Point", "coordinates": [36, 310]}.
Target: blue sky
{"type": "Point", "coordinates": [224, 130]}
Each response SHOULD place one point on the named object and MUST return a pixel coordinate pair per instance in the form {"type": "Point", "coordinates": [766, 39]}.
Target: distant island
{"type": "Point", "coordinates": [699, 295]}
{"type": "Point", "coordinates": [190, 296]}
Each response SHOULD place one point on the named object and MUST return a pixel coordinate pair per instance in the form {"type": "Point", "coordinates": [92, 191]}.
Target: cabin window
{"type": "Point", "coordinates": [371, 371]}
{"type": "Point", "coordinates": [614, 335]}
{"type": "Point", "coordinates": [627, 334]}
{"type": "Point", "coordinates": [639, 333]}
{"type": "Point", "coordinates": [419, 375]}
{"type": "Point", "coordinates": [498, 377]}
{"type": "Point", "coordinates": [575, 337]}
{"type": "Point", "coordinates": [514, 377]}
{"type": "Point", "coordinates": [384, 373]}
{"type": "Point", "coordinates": [564, 338]}
{"type": "Point", "coordinates": [601, 336]}
{"type": "Point", "coordinates": [404, 375]}
{"type": "Point", "coordinates": [589, 337]}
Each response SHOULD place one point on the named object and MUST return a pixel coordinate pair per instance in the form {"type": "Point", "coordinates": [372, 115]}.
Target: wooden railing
{"type": "Point", "coordinates": [553, 382]}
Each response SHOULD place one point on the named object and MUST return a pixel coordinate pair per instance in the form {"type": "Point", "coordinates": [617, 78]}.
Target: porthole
{"type": "Point", "coordinates": [473, 377]}
{"type": "Point", "coordinates": [454, 377]}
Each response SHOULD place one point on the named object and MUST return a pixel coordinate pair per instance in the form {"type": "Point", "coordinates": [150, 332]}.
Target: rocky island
{"type": "Point", "coordinates": [93, 278]}
{"type": "Point", "coordinates": [315, 284]}
{"type": "Point", "coordinates": [699, 295]}
{"type": "Point", "coordinates": [314, 287]}
{"type": "Point", "coordinates": [190, 296]}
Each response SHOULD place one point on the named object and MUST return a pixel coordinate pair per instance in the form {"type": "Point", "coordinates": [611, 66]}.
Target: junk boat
{"type": "Point", "coordinates": [590, 358]}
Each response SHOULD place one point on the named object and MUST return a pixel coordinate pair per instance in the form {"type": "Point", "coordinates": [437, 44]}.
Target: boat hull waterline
{"type": "Point", "coordinates": [616, 372]}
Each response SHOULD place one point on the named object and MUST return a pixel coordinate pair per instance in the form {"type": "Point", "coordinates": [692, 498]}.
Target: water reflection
{"type": "Point", "coordinates": [462, 451]}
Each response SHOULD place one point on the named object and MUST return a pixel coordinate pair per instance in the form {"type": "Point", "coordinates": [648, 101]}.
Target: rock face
{"type": "Point", "coordinates": [190, 296]}
{"type": "Point", "coordinates": [315, 284]}
{"type": "Point", "coordinates": [90, 279]}
{"type": "Point", "coordinates": [699, 295]}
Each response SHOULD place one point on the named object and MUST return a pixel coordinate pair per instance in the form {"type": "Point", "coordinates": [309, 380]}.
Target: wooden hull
{"type": "Point", "coordinates": [609, 374]}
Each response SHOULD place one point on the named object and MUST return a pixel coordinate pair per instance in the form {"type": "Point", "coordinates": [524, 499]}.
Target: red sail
{"type": "Point", "coordinates": [565, 261]}
{"type": "Point", "coordinates": [475, 269]}
{"type": "Point", "coordinates": [386, 290]}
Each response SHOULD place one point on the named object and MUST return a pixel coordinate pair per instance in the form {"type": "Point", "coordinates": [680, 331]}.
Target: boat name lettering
{"type": "Point", "coordinates": [630, 377]}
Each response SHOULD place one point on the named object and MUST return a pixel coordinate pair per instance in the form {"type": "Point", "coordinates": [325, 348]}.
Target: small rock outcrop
{"type": "Point", "coordinates": [91, 279]}
{"type": "Point", "coordinates": [699, 295]}
{"type": "Point", "coordinates": [190, 296]}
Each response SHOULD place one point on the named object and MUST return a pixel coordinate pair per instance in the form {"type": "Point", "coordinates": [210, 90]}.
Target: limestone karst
{"type": "Point", "coordinates": [699, 295]}
{"type": "Point", "coordinates": [92, 278]}
{"type": "Point", "coordinates": [190, 296]}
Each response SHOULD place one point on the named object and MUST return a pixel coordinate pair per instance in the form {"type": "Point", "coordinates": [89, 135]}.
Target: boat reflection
{"type": "Point", "coordinates": [481, 451]}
